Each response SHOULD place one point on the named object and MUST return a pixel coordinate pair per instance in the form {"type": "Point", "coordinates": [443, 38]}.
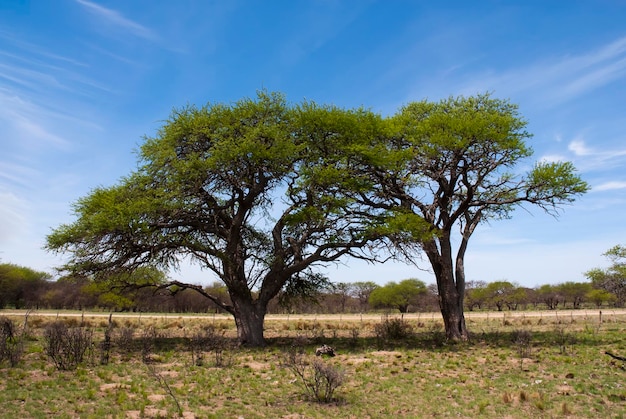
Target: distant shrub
{"type": "Point", "coordinates": [393, 329]}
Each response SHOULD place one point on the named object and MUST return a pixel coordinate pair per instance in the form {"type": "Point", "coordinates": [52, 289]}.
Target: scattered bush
{"type": "Point", "coordinates": [522, 339]}
{"type": "Point", "coordinates": [67, 346]}
{"type": "Point", "coordinates": [124, 338]}
{"type": "Point", "coordinates": [320, 379]}
{"type": "Point", "coordinates": [393, 329]}
{"type": "Point", "coordinates": [11, 342]}
{"type": "Point", "coordinates": [209, 340]}
{"type": "Point", "coordinates": [563, 338]}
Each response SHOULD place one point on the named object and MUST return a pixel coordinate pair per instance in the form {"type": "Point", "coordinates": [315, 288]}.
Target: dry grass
{"type": "Point", "coordinates": [563, 373]}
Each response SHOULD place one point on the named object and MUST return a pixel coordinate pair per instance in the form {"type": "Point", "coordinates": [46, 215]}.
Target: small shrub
{"type": "Point", "coordinates": [66, 346]}
{"type": "Point", "coordinates": [124, 338]}
{"type": "Point", "coordinates": [148, 342]}
{"type": "Point", "coordinates": [11, 342]}
{"type": "Point", "coordinates": [563, 339]}
{"type": "Point", "coordinates": [319, 378]}
{"type": "Point", "coordinates": [393, 329]}
{"type": "Point", "coordinates": [209, 340]}
{"type": "Point", "coordinates": [507, 398]}
{"type": "Point", "coordinates": [522, 340]}
{"type": "Point", "coordinates": [354, 337]}
{"type": "Point", "coordinates": [105, 346]}
{"type": "Point", "coordinates": [523, 396]}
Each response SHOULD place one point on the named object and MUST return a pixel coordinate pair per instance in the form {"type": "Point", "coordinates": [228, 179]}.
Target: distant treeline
{"type": "Point", "coordinates": [25, 288]}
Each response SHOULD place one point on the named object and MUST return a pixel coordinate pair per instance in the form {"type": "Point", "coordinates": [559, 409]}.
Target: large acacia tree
{"type": "Point", "coordinates": [239, 190]}
{"type": "Point", "coordinates": [452, 165]}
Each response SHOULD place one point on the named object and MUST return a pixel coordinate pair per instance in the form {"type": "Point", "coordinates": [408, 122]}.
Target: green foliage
{"type": "Point", "coordinates": [259, 192]}
{"type": "Point", "coordinates": [302, 287]}
{"type": "Point", "coordinates": [392, 329]}
{"type": "Point", "coordinates": [612, 279]}
{"type": "Point", "coordinates": [397, 295]}
{"type": "Point", "coordinates": [600, 297]}
{"type": "Point", "coordinates": [574, 292]}
{"type": "Point", "coordinates": [18, 283]}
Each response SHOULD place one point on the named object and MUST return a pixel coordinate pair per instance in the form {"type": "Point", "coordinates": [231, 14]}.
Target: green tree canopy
{"type": "Point", "coordinates": [612, 279]}
{"type": "Point", "coordinates": [238, 189]}
{"type": "Point", "coordinates": [17, 283]}
{"type": "Point", "coordinates": [450, 166]}
{"type": "Point", "coordinates": [397, 295]}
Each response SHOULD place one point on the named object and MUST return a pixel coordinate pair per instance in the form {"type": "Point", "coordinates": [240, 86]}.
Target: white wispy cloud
{"type": "Point", "coordinates": [27, 122]}
{"type": "Point", "coordinates": [551, 81]}
{"type": "Point", "coordinates": [578, 148]}
{"type": "Point", "coordinates": [610, 186]}
{"type": "Point", "coordinates": [588, 158]}
{"type": "Point", "coordinates": [26, 47]}
{"type": "Point", "coordinates": [13, 218]}
{"type": "Point", "coordinates": [116, 19]}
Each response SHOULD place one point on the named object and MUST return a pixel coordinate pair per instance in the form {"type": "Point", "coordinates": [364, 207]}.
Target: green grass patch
{"type": "Point", "coordinates": [527, 368]}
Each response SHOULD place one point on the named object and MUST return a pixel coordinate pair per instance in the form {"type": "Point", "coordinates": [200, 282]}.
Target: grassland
{"type": "Point", "coordinates": [550, 364]}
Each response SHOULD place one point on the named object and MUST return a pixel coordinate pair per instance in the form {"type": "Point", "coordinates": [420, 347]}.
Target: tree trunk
{"type": "Point", "coordinates": [250, 319]}
{"type": "Point", "coordinates": [452, 310]}
{"type": "Point", "coordinates": [450, 295]}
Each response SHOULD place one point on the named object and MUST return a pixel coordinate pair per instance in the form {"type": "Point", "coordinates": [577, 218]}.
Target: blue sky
{"type": "Point", "coordinates": [81, 82]}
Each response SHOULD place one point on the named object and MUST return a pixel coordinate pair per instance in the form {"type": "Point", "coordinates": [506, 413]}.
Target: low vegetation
{"type": "Point", "coordinates": [548, 364]}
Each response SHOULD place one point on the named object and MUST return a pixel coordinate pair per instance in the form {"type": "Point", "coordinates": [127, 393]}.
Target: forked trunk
{"type": "Point", "coordinates": [250, 319]}
{"type": "Point", "coordinates": [451, 293]}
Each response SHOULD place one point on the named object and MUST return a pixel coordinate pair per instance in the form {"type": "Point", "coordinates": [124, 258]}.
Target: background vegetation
{"type": "Point", "coordinates": [25, 288]}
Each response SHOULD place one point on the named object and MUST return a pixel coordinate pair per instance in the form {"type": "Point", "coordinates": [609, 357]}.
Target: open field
{"type": "Point", "coordinates": [517, 365]}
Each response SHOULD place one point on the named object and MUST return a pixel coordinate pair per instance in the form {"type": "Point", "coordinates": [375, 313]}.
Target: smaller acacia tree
{"type": "Point", "coordinates": [450, 166]}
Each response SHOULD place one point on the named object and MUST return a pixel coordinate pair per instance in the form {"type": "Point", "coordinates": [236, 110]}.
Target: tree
{"type": "Point", "coordinates": [475, 294]}
{"type": "Point", "coordinates": [450, 167]}
{"type": "Point", "coordinates": [343, 290]}
{"type": "Point", "coordinates": [20, 285]}
{"type": "Point", "coordinates": [398, 295]}
{"type": "Point", "coordinates": [612, 279]}
{"type": "Point", "coordinates": [499, 292]}
{"type": "Point", "coordinates": [599, 297]}
{"type": "Point", "coordinates": [239, 190]}
{"type": "Point", "coordinates": [361, 291]}
{"type": "Point", "coordinates": [575, 292]}
{"type": "Point", "coordinates": [549, 294]}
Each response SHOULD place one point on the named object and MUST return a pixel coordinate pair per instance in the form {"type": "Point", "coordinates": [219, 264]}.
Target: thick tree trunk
{"type": "Point", "coordinates": [250, 319]}
{"type": "Point", "coordinates": [451, 292]}
{"type": "Point", "coordinates": [452, 309]}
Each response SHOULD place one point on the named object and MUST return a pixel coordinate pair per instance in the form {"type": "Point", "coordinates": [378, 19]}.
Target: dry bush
{"type": "Point", "coordinates": [11, 342]}
{"type": "Point", "coordinates": [320, 379]}
{"type": "Point", "coordinates": [124, 338]}
{"type": "Point", "coordinates": [393, 329]}
{"type": "Point", "coordinates": [522, 340]}
{"type": "Point", "coordinates": [67, 346]}
{"type": "Point", "coordinates": [210, 340]}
